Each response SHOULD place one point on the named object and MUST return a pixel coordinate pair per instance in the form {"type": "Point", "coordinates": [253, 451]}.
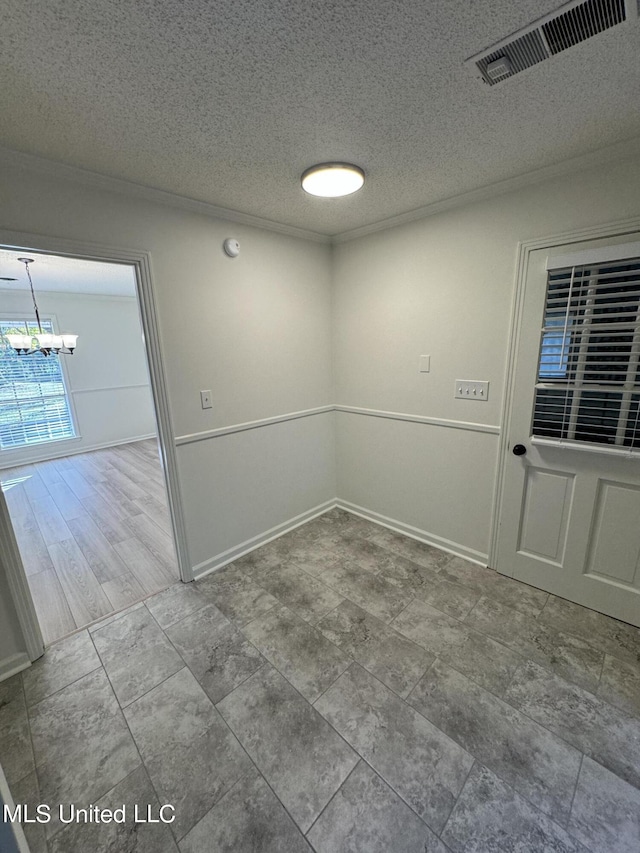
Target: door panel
{"type": "Point", "coordinates": [570, 512]}
{"type": "Point", "coordinates": [614, 550]}
{"type": "Point", "coordinates": [546, 508]}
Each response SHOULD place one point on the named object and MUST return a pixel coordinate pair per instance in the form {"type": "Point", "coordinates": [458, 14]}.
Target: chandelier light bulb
{"type": "Point", "coordinates": [45, 340]}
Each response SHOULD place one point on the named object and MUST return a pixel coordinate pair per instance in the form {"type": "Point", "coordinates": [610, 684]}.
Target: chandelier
{"type": "Point", "coordinates": [43, 342]}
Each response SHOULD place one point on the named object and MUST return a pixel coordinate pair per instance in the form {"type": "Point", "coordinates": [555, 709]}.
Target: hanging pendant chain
{"type": "Point", "coordinates": [33, 296]}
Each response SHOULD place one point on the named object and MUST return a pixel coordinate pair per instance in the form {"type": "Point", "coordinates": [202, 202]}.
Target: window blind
{"type": "Point", "coordinates": [34, 406]}
{"type": "Point", "coordinates": [588, 381]}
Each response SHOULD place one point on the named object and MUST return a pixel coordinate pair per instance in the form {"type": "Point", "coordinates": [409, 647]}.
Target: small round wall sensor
{"type": "Point", "coordinates": [231, 247]}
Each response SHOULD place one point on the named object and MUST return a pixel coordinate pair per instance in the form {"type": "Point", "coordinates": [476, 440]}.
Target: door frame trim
{"type": "Point", "coordinates": [524, 249]}
{"type": "Point", "coordinates": [141, 261]}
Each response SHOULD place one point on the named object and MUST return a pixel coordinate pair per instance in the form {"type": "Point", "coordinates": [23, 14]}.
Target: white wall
{"type": "Point", "coordinates": [255, 330]}
{"type": "Point", "coordinates": [259, 477]}
{"type": "Point", "coordinates": [107, 376]}
{"type": "Point", "coordinates": [12, 644]}
{"type": "Point", "coordinates": [443, 286]}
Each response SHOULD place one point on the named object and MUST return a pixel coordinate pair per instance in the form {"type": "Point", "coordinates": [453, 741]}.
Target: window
{"type": "Point", "coordinates": [588, 384]}
{"type": "Point", "coordinates": [554, 350]}
{"type": "Point", "coordinates": [34, 406]}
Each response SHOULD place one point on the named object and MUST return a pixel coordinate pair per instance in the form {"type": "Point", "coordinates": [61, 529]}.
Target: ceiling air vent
{"type": "Point", "coordinates": [583, 21]}
{"type": "Point", "coordinates": [519, 54]}
{"type": "Point", "coordinates": [571, 24]}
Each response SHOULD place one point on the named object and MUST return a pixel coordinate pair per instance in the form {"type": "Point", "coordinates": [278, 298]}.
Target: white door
{"type": "Point", "coordinates": [570, 507]}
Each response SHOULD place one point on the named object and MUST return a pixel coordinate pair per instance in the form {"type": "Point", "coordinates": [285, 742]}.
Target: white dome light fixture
{"type": "Point", "coordinates": [332, 180]}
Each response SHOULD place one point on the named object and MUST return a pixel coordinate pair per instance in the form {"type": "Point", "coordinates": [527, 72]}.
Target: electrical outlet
{"type": "Point", "coordinates": [467, 389]}
{"type": "Point", "coordinates": [205, 399]}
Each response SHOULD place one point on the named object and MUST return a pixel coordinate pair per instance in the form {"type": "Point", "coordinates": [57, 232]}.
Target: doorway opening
{"type": "Point", "coordinates": [82, 466]}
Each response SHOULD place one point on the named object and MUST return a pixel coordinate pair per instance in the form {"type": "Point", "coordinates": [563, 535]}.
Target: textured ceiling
{"type": "Point", "coordinates": [68, 275]}
{"type": "Point", "coordinates": [229, 101]}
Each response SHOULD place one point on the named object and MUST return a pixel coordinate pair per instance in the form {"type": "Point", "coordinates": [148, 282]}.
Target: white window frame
{"type": "Point", "coordinates": [590, 257]}
{"type": "Point", "coordinates": [69, 393]}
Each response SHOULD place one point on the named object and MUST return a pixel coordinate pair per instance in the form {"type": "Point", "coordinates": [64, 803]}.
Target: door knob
{"type": "Point", "coordinates": [519, 449]}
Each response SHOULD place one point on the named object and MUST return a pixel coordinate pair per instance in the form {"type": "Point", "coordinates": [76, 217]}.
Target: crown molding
{"type": "Point", "coordinates": [96, 180]}
{"type": "Point", "coordinates": [612, 153]}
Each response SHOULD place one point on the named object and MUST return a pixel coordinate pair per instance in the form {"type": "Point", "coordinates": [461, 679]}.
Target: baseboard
{"type": "Point", "coordinates": [231, 554]}
{"type": "Point", "coordinates": [415, 533]}
{"type": "Point", "coordinates": [69, 450]}
{"type": "Point", "coordinates": [14, 664]}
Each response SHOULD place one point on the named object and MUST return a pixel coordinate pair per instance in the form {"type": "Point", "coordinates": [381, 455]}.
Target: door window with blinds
{"type": "Point", "coordinates": [588, 383]}
{"type": "Point", "coordinates": [34, 405]}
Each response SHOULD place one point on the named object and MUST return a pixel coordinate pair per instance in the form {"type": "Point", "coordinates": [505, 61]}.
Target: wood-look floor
{"type": "Point", "coordinates": [93, 531]}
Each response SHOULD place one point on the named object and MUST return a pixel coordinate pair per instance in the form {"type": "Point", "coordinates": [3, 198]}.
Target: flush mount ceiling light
{"type": "Point", "coordinates": [35, 340]}
{"type": "Point", "coordinates": [331, 180]}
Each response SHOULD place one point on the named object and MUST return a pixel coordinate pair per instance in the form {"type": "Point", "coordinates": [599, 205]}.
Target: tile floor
{"type": "Point", "coordinates": [341, 689]}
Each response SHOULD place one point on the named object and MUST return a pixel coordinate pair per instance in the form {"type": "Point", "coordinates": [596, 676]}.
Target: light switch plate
{"type": "Point", "coordinates": [470, 389]}
{"type": "Point", "coordinates": [425, 363]}
{"type": "Point", "coordinates": [205, 399]}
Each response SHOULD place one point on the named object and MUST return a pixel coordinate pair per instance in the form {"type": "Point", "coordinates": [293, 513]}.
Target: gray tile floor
{"type": "Point", "coordinates": [342, 688]}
